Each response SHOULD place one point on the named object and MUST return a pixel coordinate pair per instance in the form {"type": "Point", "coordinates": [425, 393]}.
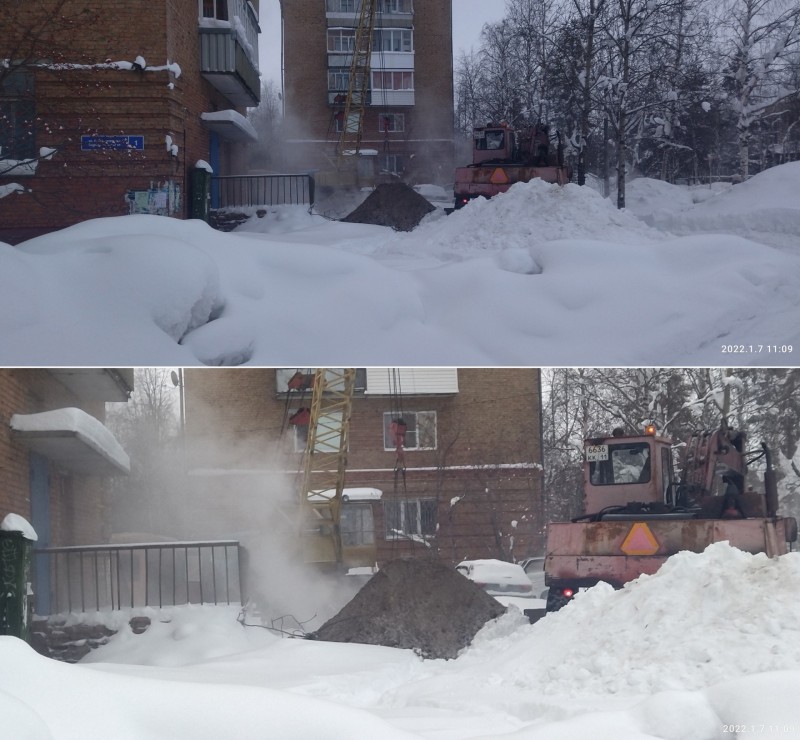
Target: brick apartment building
{"type": "Point", "coordinates": [56, 455]}
{"type": "Point", "coordinates": [409, 123]}
{"type": "Point", "coordinates": [472, 485]}
{"type": "Point", "coordinates": [107, 107]}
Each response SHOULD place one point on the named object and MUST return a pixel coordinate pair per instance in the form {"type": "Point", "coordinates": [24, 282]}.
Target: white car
{"type": "Point", "coordinates": [534, 567]}
{"type": "Point", "coordinates": [506, 582]}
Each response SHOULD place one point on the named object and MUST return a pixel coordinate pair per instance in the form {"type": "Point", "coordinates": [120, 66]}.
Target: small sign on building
{"type": "Point", "coordinates": [117, 143]}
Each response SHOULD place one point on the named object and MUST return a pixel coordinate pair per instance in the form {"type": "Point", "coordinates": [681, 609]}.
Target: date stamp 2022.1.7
{"type": "Point", "coordinates": [756, 349]}
{"type": "Point", "coordinates": [763, 729]}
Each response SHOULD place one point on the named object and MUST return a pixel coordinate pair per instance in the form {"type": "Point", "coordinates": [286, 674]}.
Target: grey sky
{"type": "Point", "coordinates": [468, 19]}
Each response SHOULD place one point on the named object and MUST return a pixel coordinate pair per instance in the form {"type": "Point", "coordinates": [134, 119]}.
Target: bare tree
{"type": "Point", "coordinates": [760, 35]}
{"type": "Point", "coordinates": [266, 120]}
{"type": "Point", "coordinates": [37, 41]}
{"type": "Point", "coordinates": [148, 427]}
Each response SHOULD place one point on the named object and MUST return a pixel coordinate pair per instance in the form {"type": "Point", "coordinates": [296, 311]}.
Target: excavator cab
{"type": "Point", "coordinates": [621, 470]}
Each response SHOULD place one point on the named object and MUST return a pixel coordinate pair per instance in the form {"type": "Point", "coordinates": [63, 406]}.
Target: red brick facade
{"type": "Point", "coordinates": [86, 98]}
{"type": "Point", "coordinates": [424, 148]}
{"type": "Point", "coordinates": [483, 477]}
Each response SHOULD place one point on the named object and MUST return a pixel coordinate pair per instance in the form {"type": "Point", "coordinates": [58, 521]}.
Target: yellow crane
{"type": "Point", "coordinates": [324, 464]}
{"type": "Point", "coordinates": [358, 87]}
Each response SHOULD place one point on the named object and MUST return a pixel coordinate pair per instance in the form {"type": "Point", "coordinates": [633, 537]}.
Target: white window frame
{"type": "Point", "coordinates": [397, 123]}
{"type": "Point", "coordinates": [396, 76]}
{"type": "Point", "coordinates": [360, 515]}
{"type": "Point", "coordinates": [409, 512]}
{"type": "Point", "coordinates": [344, 40]}
{"type": "Point", "coordinates": [393, 163]}
{"type": "Point", "coordinates": [338, 79]}
{"type": "Point", "coordinates": [412, 436]}
{"type": "Point", "coordinates": [216, 15]}
{"type": "Point", "coordinates": [343, 6]}
{"type": "Point", "coordinates": [405, 36]}
{"type": "Point", "coordinates": [399, 7]}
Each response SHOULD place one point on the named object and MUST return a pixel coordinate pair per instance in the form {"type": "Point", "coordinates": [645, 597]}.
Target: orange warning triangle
{"type": "Point", "coordinates": [640, 541]}
{"type": "Point", "coordinates": [499, 177]}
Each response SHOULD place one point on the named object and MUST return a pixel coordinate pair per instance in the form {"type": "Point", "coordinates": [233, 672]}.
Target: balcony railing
{"type": "Point", "coordinates": [113, 577]}
{"type": "Point", "coordinates": [237, 191]}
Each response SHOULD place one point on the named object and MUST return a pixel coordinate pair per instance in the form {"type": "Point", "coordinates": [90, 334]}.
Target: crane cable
{"type": "Point", "coordinates": [397, 432]}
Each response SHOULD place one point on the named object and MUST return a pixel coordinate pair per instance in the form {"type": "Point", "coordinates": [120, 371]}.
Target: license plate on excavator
{"type": "Point", "coordinates": [596, 453]}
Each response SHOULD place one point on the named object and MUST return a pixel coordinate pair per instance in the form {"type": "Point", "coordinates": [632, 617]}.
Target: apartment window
{"type": "Point", "coordinates": [393, 39]}
{"type": "Point", "coordinates": [338, 79]}
{"type": "Point", "coordinates": [393, 164]}
{"type": "Point", "coordinates": [410, 518]}
{"type": "Point", "coordinates": [420, 430]}
{"type": "Point", "coordinates": [356, 525]}
{"type": "Point", "coordinates": [391, 123]}
{"type": "Point", "coordinates": [396, 6]}
{"type": "Point", "coordinates": [388, 80]}
{"type": "Point", "coordinates": [341, 40]}
{"type": "Point", "coordinates": [17, 118]}
{"type": "Point", "coordinates": [343, 6]}
{"type": "Point", "coordinates": [214, 9]}
{"type": "Point", "coordinates": [300, 437]}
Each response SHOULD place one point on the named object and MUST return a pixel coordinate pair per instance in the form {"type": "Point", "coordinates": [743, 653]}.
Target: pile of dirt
{"type": "Point", "coordinates": [421, 604]}
{"type": "Point", "coordinates": [392, 204]}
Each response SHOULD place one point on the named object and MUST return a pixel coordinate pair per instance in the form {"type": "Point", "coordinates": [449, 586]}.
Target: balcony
{"type": "Point", "coordinates": [229, 54]}
{"type": "Point", "coordinates": [378, 60]}
{"type": "Point", "coordinates": [394, 11]}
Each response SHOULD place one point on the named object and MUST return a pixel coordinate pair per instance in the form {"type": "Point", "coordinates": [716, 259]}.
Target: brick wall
{"type": "Point", "coordinates": [76, 185]}
{"type": "Point", "coordinates": [493, 421]}
{"type": "Point", "coordinates": [78, 505]}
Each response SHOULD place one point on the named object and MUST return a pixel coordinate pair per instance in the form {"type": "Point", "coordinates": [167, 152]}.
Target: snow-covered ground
{"type": "Point", "coordinates": [706, 649]}
{"type": "Point", "coordinates": [539, 276]}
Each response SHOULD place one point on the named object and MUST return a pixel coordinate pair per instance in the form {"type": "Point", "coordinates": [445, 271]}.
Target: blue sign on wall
{"type": "Point", "coordinates": [97, 143]}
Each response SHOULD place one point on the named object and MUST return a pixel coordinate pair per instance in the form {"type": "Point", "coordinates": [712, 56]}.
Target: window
{"type": "Point", "coordinates": [384, 6]}
{"type": "Point", "coordinates": [420, 430]}
{"type": "Point", "coordinates": [356, 525]}
{"type": "Point", "coordinates": [410, 518]}
{"type": "Point", "coordinates": [393, 163]}
{"type": "Point", "coordinates": [339, 79]}
{"type": "Point", "coordinates": [485, 140]}
{"type": "Point", "coordinates": [343, 6]}
{"type": "Point", "coordinates": [387, 80]}
{"type": "Point", "coordinates": [391, 123]}
{"type": "Point", "coordinates": [300, 437]}
{"type": "Point", "coordinates": [396, 6]}
{"type": "Point", "coordinates": [393, 39]}
{"type": "Point", "coordinates": [341, 40]}
{"type": "Point", "coordinates": [17, 119]}
{"type": "Point", "coordinates": [666, 472]}
{"type": "Point", "coordinates": [616, 464]}
{"type": "Point", "coordinates": [215, 9]}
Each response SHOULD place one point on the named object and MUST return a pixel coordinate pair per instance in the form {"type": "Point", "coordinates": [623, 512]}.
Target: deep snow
{"type": "Point", "coordinates": [708, 648]}
{"type": "Point", "coordinates": [541, 275]}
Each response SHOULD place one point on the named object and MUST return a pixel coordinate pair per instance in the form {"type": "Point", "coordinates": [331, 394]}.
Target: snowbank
{"type": "Point", "coordinates": [539, 275]}
{"type": "Point", "coordinates": [764, 208]}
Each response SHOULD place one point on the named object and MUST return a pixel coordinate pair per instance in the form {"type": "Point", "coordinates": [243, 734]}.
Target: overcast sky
{"type": "Point", "coordinates": [468, 19]}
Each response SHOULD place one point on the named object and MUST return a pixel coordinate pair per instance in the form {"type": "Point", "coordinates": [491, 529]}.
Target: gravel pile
{"type": "Point", "coordinates": [393, 204]}
{"type": "Point", "coordinates": [421, 604]}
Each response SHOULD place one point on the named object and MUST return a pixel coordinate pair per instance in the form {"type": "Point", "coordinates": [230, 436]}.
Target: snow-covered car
{"type": "Point", "coordinates": [534, 569]}
{"type": "Point", "coordinates": [506, 582]}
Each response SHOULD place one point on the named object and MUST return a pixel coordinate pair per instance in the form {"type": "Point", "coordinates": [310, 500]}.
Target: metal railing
{"type": "Point", "coordinates": [237, 191]}
{"type": "Point", "coordinates": [102, 577]}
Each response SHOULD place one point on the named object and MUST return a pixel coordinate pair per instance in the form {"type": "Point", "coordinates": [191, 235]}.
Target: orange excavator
{"type": "Point", "coordinates": [637, 512]}
{"type": "Point", "coordinates": [503, 156]}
